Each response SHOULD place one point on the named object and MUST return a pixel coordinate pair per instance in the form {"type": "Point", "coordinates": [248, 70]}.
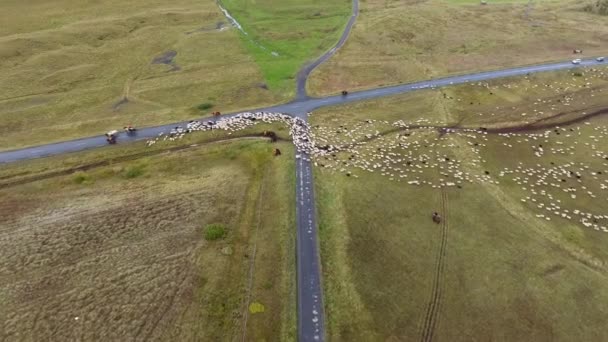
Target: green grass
{"type": "Point", "coordinates": [495, 103]}
{"type": "Point", "coordinates": [68, 67]}
{"type": "Point", "coordinates": [507, 273]}
{"type": "Point", "coordinates": [82, 178]}
{"type": "Point", "coordinates": [134, 171]}
{"type": "Point", "coordinates": [299, 31]}
{"type": "Point", "coordinates": [214, 232]}
{"type": "Point", "coordinates": [115, 154]}
{"type": "Point", "coordinates": [205, 106]}
{"type": "Point", "coordinates": [403, 41]}
{"type": "Point", "coordinates": [133, 250]}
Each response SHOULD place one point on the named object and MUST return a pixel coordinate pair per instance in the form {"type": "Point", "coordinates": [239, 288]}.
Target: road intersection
{"type": "Point", "coordinates": [311, 324]}
{"type": "Point", "coordinates": [297, 108]}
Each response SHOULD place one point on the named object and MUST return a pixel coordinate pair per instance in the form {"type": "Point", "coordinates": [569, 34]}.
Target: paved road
{"type": "Point", "coordinates": [296, 107]}
{"type": "Point", "coordinates": [302, 77]}
{"type": "Point", "coordinates": [311, 313]}
{"type": "Point", "coordinates": [311, 323]}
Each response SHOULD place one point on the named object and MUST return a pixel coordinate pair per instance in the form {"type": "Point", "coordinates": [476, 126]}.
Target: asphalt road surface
{"type": "Point", "coordinates": [302, 77]}
{"type": "Point", "coordinates": [297, 108]}
{"type": "Point", "coordinates": [311, 323]}
{"type": "Point", "coordinates": [311, 313]}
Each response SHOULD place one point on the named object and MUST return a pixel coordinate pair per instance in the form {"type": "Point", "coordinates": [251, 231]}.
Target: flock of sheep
{"type": "Point", "coordinates": [421, 154]}
{"type": "Point", "coordinates": [558, 172]}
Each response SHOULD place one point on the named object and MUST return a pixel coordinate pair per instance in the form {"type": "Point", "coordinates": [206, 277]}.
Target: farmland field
{"type": "Point", "coordinates": [516, 170]}
{"type": "Point", "coordinates": [401, 41]}
{"type": "Point", "coordinates": [120, 251]}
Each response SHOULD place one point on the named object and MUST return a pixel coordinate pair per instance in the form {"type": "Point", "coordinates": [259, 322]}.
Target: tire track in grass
{"type": "Point", "coordinates": [253, 258]}
{"type": "Point", "coordinates": [432, 311]}
{"type": "Point", "coordinates": [117, 159]}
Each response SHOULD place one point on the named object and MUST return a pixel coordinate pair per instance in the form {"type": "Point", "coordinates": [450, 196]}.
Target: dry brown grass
{"type": "Point", "coordinates": [119, 258]}
{"type": "Point", "coordinates": [403, 41]}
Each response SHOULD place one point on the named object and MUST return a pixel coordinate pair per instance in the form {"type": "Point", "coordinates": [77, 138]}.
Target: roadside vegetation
{"type": "Point", "coordinates": [215, 231]}
{"type": "Point", "coordinates": [284, 35]}
{"type": "Point", "coordinates": [512, 258]}
{"type": "Point", "coordinates": [111, 253]}
{"type": "Point", "coordinates": [402, 41]}
{"type": "Point", "coordinates": [71, 69]}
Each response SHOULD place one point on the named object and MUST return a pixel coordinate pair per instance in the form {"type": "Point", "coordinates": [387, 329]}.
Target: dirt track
{"type": "Point", "coordinates": [432, 316]}
{"type": "Point", "coordinates": [9, 181]}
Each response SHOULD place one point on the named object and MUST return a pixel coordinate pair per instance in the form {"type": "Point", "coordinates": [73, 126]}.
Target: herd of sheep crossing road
{"type": "Point", "coordinates": [322, 151]}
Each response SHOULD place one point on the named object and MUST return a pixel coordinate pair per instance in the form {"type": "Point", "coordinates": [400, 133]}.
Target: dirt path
{"type": "Point", "coordinates": [258, 221]}
{"type": "Point", "coordinates": [9, 181]}
{"type": "Point", "coordinates": [431, 319]}
{"type": "Point", "coordinates": [538, 125]}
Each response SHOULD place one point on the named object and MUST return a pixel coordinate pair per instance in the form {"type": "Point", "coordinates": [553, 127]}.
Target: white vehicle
{"type": "Point", "coordinates": [600, 59]}
{"type": "Point", "coordinates": [576, 61]}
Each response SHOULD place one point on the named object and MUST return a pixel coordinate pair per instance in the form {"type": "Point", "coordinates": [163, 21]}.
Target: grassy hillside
{"type": "Point", "coordinates": [71, 69]}
{"type": "Point", "coordinates": [120, 252]}
{"type": "Point", "coordinates": [401, 41]}
{"type": "Point", "coordinates": [519, 253]}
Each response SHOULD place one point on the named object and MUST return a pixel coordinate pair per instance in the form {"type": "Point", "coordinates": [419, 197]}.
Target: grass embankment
{"type": "Point", "coordinates": [495, 268]}
{"type": "Point", "coordinates": [25, 171]}
{"type": "Point", "coordinates": [299, 31]}
{"type": "Point", "coordinates": [71, 69]}
{"type": "Point", "coordinates": [508, 102]}
{"type": "Point", "coordinates": [119, 251]}
{"type": "Point", "coordinates": [396, 42]}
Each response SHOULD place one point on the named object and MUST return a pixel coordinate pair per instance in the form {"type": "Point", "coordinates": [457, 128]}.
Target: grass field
{"type": "Point", "coordinates": [118, 251]}
{"type": "Point", "coordinates": [72, 69]}
{"type": "Point", "coordinates": [400, 41]}
{"type": "Point", "coordinates": [298, 31]}
{"type": "Point", "coordinates": [518, 255]}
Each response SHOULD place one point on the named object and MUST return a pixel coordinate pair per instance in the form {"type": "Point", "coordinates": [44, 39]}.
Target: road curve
{"type": "Point", "coordinates": [297, 108]}
{"type": "Point", "coordinates": [302, 76]}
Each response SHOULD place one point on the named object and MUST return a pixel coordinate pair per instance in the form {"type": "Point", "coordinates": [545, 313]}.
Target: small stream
{"type": "Point", "coordinates": [236, 24]}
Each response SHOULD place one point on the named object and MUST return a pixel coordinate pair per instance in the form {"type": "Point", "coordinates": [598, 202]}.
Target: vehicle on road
{"type": "Point", "coordinates": [344, 92]}
{"type": "Point", "coordinates": [600, 59]}
{"type": "Point", "coordinates": [111, 137]}
{"type": "Point", "coordinates": [576, 61]}
{"type": "Point", "coordinates": [130, 130]}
